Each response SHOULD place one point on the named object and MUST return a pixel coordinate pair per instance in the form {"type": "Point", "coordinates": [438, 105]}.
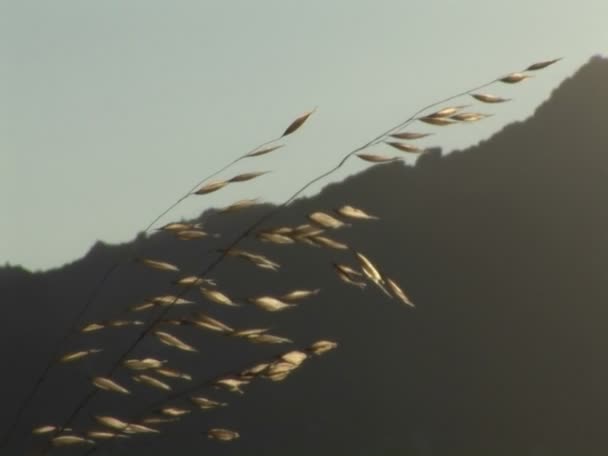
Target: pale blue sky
{"type": "Point", "coordinates": [110, 110]}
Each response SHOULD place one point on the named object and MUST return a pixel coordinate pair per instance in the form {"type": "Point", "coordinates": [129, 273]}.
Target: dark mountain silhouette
{"type": "Point", "coordinates": [503, 248]}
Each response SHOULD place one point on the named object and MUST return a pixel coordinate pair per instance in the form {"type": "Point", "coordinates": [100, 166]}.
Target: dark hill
{"type": "Point", "coordinates": [503, 247]}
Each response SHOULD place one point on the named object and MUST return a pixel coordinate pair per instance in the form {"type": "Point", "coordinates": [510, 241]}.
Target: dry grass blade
{"type": "Point", "coordinates": [403, 147]}
{"type": "Point", "coordinates": [266, 150]}
{"type": "Point", "coordinates": [211, 187]}
{"type": "Point", "coordinates": [296, 124]}
{"type": "Point", "coordinates": [375, 158]}
{"type": "Point", "coordinates": [247, 176]}
{"type": "Point", "coordinates": [540, 65]}
{"type": "Point", "coordinates": [409, 136]}
{"type": "Point", "coordinates": [487, 98]}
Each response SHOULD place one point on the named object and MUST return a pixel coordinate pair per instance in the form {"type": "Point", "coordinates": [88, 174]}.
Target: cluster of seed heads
{"type": "Point", "coordinates": [357, 270]}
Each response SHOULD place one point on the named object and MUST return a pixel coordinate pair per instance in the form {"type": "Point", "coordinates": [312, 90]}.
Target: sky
{"type": "Point", "coordinates": [110, 111]}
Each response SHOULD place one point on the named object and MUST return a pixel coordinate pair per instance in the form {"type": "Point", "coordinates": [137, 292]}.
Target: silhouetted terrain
{"type": "Point", "coordinates": [503, 247]}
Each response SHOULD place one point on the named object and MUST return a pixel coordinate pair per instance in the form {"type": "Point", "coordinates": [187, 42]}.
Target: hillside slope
{"type": "Point", "coordinates": [503, 248]}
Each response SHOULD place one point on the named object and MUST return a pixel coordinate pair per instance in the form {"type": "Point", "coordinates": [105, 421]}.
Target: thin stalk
{"type": "Point", "coordinates": [252, 227]}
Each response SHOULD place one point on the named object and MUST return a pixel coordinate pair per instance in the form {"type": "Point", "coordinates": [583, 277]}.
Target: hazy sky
{"type": "Point", "coordinates": [110, 110]}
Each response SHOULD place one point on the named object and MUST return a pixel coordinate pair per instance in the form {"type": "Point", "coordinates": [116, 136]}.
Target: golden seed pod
{"type": "Point", "coordinates": [211, 187]}
{"type": "Point", "coordinates": [111, 422]}
{"type": "Point", "coordinates": [247, 176]}
{"type": "Point", "coordinates": [66, 440]}
{"type": "Point", "coordinates": [173, 341]}
{"type": "Point", "coordinates": [410, 136]}
{"type": "Point", "coordinates": [514, 78]}
{"type": "Point", "coordinates": [326, 220]}
{"type": "Point", "coordinates": [296, 124]}
{"type": "Point", "coordinates": [398, 292]}
{"type": "Point", "coordinates": [78, 355]}
{"type": "Point", "coordinates": [266, 150]}
{"type": "Point", "coordinates": [217, 297]}
{"type": "Point", "coordinates": [270, 304]}
{"type": "Point", "coordinates": [205, 403]}
{"type": "Point", "coordinates": [540, 65]}
{"type": "Point", "coordinates": [355, 213]}
{"type": "Point", "coordinates": [156, 264]}
{"type": "Point", "coordinates": [239, 205]}
{"type": "Point", "coordinates": [223, 435]}
{"type": "Point", "coordinates": [107, 384]}
{"type": "Point", "coordinates": [322, 346]}
{"type": "Point", "coordinates": [46, 429]}
{"type": "Point", "coordinates": [403, 147]}
{"type": "Point", "coordinates": [487, 98]}
{"type": "Point", "coordinates": [296, 295]}
{"type": "Point", "coordinates": [375, 158]}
